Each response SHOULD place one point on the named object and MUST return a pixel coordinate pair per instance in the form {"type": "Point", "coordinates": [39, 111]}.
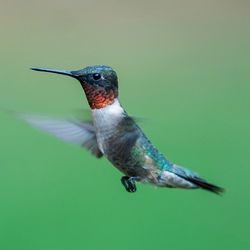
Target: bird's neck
{"type": "Point", "coordinates": [99, 98]}
{"type": "Point", "coordinates": [109, 116]}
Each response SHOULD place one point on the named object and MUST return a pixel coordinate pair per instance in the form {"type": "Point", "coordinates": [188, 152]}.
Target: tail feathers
{"type": "Point", "coordinates": [205, 185]}
{"type": "Point", "coordinates": [192, 177]}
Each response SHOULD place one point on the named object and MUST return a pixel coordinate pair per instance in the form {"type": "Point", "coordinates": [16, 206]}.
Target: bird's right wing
{"type": "Point", "coordinates": [73, 131]}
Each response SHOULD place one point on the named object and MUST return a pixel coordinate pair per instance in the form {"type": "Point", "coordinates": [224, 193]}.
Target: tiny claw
{"type": "Point", "coordinates": [129, 184]}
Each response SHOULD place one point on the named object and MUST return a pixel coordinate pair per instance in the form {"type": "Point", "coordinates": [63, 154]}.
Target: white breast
{"type": "Point", "coordinates": [105, 121]}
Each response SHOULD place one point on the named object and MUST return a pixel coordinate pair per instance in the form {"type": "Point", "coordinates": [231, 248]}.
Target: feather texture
{"type": "Point", "coordinates": [72, 131]}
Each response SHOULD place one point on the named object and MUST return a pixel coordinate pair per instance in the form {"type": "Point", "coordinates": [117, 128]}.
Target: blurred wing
{"type": "Point", "coordinates": [73, 131]}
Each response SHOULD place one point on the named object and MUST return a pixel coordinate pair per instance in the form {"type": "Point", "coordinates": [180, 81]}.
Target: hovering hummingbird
{"type": "Point", "coordinates": [115, 135]}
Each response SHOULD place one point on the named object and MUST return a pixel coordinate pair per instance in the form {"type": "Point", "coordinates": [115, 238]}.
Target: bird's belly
{"type": "Point", "coordinates": [119, 154]}
{"type": "Point", "coordinates": [116, 137]}
{"type": "Point", "coordinates": [131, 166]}
{"type": "Point", "coordinates": [104, 141]}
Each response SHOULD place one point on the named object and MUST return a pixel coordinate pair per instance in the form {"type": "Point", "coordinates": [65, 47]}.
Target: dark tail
{"type": "Point", "coordinates": [205, 185]}
{"type": "Point", "coordinates": [192, 177]}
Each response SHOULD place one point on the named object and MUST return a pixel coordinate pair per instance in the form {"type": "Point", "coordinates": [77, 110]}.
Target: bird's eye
{"type": "Point", "coordinates": [96, 76]}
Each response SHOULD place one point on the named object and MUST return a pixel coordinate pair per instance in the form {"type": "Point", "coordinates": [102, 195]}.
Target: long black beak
{"type": "Point", "coordinates": [58, 71]}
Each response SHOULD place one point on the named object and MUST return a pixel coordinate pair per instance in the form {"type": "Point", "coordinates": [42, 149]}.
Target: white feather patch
{"type": "Point", "coordinates": [105, 121]}
{"type": "Point", "coordinates": [173, 180]}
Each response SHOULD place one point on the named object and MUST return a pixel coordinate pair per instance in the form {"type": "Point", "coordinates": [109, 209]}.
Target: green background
{"type": "Point", "coordinates": [184, 66]}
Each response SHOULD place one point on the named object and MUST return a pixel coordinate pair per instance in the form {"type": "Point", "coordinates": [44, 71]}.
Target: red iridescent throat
{"type": "Point", "coordinates": [99, 97]}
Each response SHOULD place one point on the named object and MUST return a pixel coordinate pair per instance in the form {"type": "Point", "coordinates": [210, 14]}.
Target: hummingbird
{"type": "Point", "coordinates": [114, 134]}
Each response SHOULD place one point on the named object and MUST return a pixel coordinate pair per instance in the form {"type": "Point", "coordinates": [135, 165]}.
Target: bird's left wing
{"type": "Point", "coordinates": [73, 131]}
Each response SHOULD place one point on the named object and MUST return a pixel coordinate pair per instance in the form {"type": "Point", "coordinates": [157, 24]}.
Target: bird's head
{"type": "Point", "coordinates": [99, 82]}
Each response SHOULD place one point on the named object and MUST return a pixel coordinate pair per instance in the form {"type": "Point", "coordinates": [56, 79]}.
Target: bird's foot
{"type": "Point", "coordinates": [129, 183]}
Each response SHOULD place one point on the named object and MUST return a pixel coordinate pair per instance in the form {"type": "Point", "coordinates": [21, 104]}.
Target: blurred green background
{"type": "Point", "coordinates": [184, 65]}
